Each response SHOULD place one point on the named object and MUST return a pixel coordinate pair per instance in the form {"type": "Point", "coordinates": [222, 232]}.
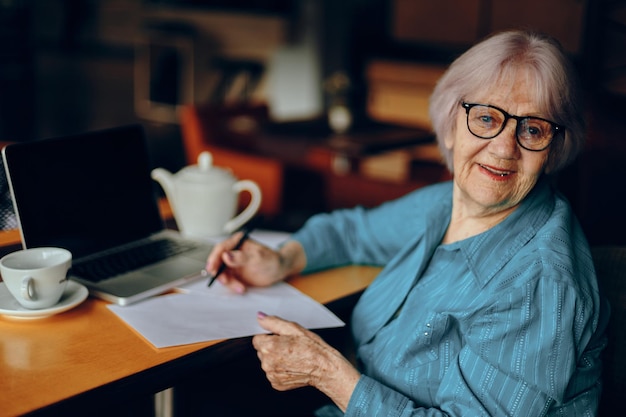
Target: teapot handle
{"type": "Point", "coordinates": [252, 208]}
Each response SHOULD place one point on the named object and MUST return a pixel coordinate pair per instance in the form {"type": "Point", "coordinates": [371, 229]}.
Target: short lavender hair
{"type": "Point", "coordinates": [498, 59]}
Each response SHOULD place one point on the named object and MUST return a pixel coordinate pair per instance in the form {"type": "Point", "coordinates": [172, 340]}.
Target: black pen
{"type": "Point", "coordinates": [246, 233]}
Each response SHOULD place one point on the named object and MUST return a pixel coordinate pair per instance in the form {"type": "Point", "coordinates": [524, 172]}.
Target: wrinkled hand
{"type": "Point", "coordinates": [253, 264]}
{"type": "Point", "coordinates": [294, 357]}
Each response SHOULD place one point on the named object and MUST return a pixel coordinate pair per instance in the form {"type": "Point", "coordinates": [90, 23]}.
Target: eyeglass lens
{"type": "Point", "coordinates": [487, 122]}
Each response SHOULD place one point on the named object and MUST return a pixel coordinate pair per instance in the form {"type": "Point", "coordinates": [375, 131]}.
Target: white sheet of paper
{"type": "Point", "coordinates": [202, 314]}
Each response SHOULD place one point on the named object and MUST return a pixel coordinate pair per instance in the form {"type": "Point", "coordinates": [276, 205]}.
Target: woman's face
{"type": "Point", "coordinates": [494, 175]}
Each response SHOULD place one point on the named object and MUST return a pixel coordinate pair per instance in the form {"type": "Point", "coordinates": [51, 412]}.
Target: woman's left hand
{"type": "Point", "coordinates": [293, 357]}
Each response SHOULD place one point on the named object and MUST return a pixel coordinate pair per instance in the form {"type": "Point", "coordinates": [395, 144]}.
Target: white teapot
{"type": "Point", "coordinates": [204, 198]}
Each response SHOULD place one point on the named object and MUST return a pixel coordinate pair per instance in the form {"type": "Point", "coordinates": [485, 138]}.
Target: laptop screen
{"type": "Point", "coordinates": [84, 192]}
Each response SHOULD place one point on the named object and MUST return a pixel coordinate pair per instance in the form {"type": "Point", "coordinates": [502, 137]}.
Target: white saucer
{"type": "Point", "coordinates": [73, 295]}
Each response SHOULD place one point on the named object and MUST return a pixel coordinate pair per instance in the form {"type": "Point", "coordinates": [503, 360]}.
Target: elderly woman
{"type": "Point", "coordinates": [487, 304]}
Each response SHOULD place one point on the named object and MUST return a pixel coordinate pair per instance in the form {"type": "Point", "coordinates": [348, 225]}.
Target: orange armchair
{"type": "Point", "coordinates": [212, 127]}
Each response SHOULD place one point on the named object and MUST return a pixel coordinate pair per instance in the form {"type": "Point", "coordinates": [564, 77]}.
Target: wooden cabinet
{"type": "Point", "coordinates": [399, 92]}
{"type": "Point", "coordinates": [439, 22]}
{"type": "Point", "coordinates": [563, 19]}
{"type": "Point", "coordinates": [463, 22]}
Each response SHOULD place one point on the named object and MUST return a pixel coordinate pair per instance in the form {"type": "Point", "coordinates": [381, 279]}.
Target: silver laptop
{"type": "Point", "coordinates": [92, 194]}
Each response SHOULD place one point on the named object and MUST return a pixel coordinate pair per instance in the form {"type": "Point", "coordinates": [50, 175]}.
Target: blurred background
{"type": "Point", "coordinates": [74, 65]}
{"type": "Point", "coordinates": [68, 66]}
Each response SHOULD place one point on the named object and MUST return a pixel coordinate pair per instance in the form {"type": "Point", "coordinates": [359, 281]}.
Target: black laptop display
{"type": "Point", "coordinates": [92, 193]}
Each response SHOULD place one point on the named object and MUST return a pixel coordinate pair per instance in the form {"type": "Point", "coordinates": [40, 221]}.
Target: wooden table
{"type": "Point", "coordinates": [69, 363]}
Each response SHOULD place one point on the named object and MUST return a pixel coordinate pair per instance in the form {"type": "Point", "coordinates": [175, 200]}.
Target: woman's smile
{"type": "Point", "coordinates": [497, 174]}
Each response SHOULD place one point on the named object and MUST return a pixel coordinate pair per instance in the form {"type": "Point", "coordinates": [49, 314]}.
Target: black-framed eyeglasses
{"type": "Point", "coordinates": [486, 122]}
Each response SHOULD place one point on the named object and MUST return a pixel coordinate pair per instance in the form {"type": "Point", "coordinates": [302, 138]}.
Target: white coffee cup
{"type": "Point", "coordinates": [36, 277]}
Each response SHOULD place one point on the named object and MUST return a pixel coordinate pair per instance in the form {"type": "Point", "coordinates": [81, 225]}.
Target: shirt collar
{"type": "Point", "coordinates": [488, 252]}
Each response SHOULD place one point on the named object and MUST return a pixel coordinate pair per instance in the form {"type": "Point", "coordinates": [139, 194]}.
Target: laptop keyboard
{"type": "Point", "coordinates": [129, 259]}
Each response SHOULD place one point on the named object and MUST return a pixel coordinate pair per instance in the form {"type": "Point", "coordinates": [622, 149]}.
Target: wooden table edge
{"type": "Point", "coordinates": [164, 375]}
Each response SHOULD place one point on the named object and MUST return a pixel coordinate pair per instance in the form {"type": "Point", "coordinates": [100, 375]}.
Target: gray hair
{"type": "Point", "coordinates": [498, 59]}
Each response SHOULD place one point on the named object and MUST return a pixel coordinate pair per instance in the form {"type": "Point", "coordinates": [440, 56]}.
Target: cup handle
{"type": "Point", "coordinates": [247, 213]}
{"type": "Point", "coordinates": [27, 289]}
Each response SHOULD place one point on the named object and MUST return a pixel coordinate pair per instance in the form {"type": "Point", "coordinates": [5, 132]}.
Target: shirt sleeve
{"type": "Point", "coordinates": [366, 236]}
{"type": "Point", "coordinates": [517, 359]}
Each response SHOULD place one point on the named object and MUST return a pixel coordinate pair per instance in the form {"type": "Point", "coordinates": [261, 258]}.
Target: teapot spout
{"type": "Point", "coordinates": [165, 179]}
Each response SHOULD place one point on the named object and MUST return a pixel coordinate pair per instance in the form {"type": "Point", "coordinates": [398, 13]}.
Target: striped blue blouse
{"type": "Point", "coordinates": [505, 323]}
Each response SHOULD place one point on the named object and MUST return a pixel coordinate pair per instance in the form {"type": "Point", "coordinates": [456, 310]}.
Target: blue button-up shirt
{"type": "Point", "coordinates": [507, 322]}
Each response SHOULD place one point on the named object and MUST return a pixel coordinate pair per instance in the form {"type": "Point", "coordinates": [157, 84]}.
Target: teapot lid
{"type": "Point", "coordinates": [204, 171]}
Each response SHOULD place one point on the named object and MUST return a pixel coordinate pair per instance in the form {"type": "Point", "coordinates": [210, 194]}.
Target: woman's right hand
{"type": "Point", "coordinates": [254, 264]}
